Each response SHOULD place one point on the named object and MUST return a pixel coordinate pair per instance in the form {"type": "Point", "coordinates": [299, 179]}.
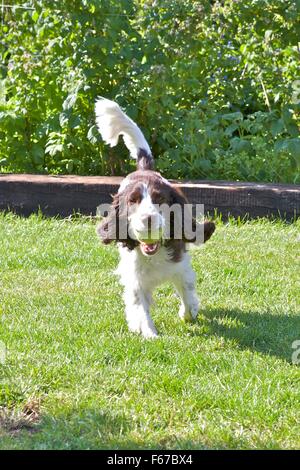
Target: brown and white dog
{"type": "Point", "coordinates": [149, 222]}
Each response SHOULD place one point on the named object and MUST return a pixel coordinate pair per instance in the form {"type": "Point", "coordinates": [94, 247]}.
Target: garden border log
{"type": "Point", "coordinates": [65, 195]}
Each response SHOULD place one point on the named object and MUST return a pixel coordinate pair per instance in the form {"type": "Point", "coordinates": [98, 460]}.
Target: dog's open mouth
{"type": "Point", "coordinates": [149, 248]}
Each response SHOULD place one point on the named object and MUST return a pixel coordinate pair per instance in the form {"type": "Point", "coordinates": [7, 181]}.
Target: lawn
{"type": "Point", "coordinates": [75, 378]}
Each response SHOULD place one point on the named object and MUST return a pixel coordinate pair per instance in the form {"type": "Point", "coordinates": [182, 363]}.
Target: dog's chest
{"type": "Point", "coordinates": [153, 270]}
{"type": "Point", "coordinates": [157, 266]}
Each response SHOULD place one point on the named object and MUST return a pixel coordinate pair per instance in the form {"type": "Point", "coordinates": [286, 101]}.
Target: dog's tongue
{"type": "Point", "coordinates": [149, 248]}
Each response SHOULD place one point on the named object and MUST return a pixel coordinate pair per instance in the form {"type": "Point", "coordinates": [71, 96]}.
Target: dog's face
{"type": "Point", "coordinates": [139, 215]}
{"type": "Point", "coordinates": [150, 222]}
{"type": "Point", "coordinates": [148, 212]}
{"type": "Point", "coordinates": [146, 222]}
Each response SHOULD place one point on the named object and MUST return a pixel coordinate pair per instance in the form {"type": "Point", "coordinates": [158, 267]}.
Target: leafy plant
{"type": "Point", "coordinates": [210, 84]}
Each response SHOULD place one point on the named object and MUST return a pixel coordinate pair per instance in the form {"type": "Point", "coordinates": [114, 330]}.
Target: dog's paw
{"type": "Point", "coordinates": [189, 314]}
{"type": "Point", "coordinates": [134, 328]}
{"type": "Point", "coordinates": [149, 331]}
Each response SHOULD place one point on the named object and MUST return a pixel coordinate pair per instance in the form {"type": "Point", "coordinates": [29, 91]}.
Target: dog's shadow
{"type": "Point", "coordinates": [266, 333]}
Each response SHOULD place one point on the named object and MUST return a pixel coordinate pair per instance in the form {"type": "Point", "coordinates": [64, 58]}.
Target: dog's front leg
{"type": "Point", "coordinates": [185, 284]}
{"type": "Point", "coordinates": [137, 307]}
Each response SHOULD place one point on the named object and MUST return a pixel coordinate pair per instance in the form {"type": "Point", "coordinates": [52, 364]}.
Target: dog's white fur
{"type": "Point", "coordinates": [138, 216]}
{"type": "Point", "coordinates": [140, 274]}
{"type": "Point", "coordinates": [112, 123]}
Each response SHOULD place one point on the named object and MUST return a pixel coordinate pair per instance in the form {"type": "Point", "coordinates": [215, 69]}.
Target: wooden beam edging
{"type": "Point", "coordinates": [65, 195]}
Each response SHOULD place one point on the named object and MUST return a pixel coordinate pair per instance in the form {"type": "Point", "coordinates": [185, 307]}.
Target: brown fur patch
{"type": "Point", "coordinates": [145, 160]}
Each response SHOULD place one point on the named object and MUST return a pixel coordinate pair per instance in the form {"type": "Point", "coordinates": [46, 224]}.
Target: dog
{"type": "Point", "coordinates": [151, 237]}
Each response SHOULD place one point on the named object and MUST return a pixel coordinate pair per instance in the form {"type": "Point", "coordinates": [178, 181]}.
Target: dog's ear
{"type": "Point", "coordinates": [177, 197]}
{"type": "Point", "coordinates": [192, 231]}
{"type": "Point", "coordinates": [209, 228]}
{"type": "Point", "coordinates": [107, 229]}
{"type": "Point", "coordinates": [114, 228]}
{"type": "Point", "coordinates": [177, 201]}
{"type": "Point", "coordinates": [183, 223]}
{"type": "Point", "coordinates": [202, 231]}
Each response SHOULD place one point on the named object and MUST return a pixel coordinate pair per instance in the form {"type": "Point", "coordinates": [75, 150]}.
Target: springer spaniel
{"type": "Point", "coordinates": [149, 222]}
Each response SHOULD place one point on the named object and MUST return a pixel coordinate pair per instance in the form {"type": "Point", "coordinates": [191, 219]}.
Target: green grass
{"type": "Point", "coordinates": [227, 381]}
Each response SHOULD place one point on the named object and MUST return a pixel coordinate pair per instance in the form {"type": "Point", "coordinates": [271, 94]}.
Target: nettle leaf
{"type": "Point", "coordinates": [292, 129]}
{"type": "Point", "coordinates": [53, 149]}
{"type": "Point", "coordinates": [287, 115]}
{"type": "Point", "coordinates": [289, 145]}
{"type": "Point", "coordinates": [64, 118]}
{"type": "Point", "coordinates": [231, 129]}
{"type": "Point", "coordinates": [93, 135]}
{"type": "Point", "coordinates": [294, 149]}
{"type": "Point", "coordinates": [233, 116]}
{"type": "Point", "coordinates": [280, 145]}
{"type": "Point", "coordinates": [268, 35]}
{"type": "Point", "coordinates": [277, 127]}
{"type": "Point", "coordinates": [69, 101]}
{"type": "Point", "coordinates": [74, 121]}
{"type": "Point", "coordinates": [204, 164]}
{"type": "Point", "coordinates": [240, 145]}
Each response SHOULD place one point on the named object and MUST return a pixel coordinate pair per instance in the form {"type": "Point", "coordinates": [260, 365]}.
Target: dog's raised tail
{"type": "Point", "coordinates": [113, 122]}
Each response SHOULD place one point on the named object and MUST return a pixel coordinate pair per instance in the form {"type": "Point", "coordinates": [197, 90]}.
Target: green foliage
{"type": "Point", "coordinates": [212, 85]}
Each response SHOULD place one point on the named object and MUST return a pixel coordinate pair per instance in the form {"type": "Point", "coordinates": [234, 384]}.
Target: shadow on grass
{"type": "Point", "coordinates": [266, 333]}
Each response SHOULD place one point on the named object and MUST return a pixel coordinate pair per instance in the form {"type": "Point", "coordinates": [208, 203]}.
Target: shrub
{"type": "Point", "coordinates": [212, 85]}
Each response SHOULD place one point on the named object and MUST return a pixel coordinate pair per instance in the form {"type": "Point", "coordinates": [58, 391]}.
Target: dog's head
{"type": "Point", "coordinates": [148, 212]}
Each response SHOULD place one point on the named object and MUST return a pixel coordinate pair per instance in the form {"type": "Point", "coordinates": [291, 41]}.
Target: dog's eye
{"type": "Point", "coordinates": [132, 200]}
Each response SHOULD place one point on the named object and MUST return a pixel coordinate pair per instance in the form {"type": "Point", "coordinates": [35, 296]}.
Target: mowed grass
{"type": "Point", "coordinates": [75, 378]}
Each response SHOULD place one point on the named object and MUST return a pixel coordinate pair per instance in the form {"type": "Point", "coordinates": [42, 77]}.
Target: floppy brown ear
{"type": "Point", "coordinates": [209, 228]}
{"type": "Point", "coordinates": [177, 197]}
{"type": "Point", "coordinates": [202, 231]}
{"type": "Point", "coordinates": [103, 232]}
{"type": "Point", "coordinates": [205, 228]}
{"type": "Point", "coordinates": [177, 219]}
{"type": "Point", "coordinates": [109, 229]}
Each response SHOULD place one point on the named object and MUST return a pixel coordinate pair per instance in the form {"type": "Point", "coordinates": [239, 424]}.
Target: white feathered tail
{"type": "Point", "coordinates": [113, 122]}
